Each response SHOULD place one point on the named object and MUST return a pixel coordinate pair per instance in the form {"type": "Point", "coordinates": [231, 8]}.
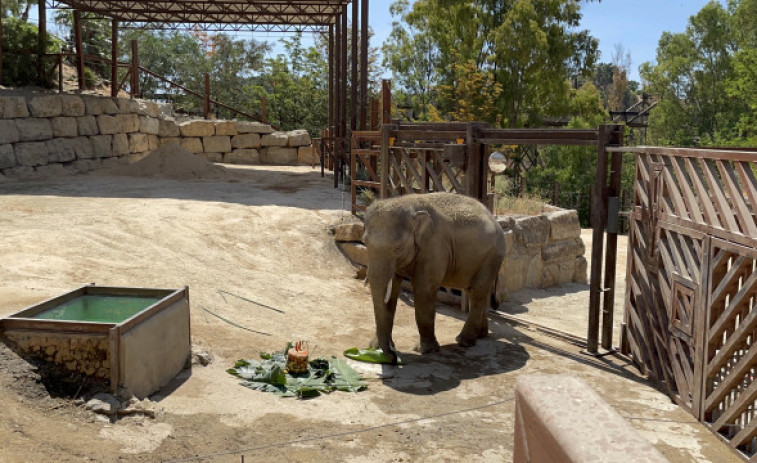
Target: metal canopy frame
{"type": "Point", "coordinates": [283, 15]}
{"type": "Point", "coordinates": [318, 16]}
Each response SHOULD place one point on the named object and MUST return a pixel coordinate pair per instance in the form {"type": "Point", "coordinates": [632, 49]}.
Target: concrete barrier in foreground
{"type": "Point", "coordinates": [560, 418]}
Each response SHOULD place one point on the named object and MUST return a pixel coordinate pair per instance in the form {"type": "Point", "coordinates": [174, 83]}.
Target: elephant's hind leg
{"type": "Point", "coordinates": [477, 325]}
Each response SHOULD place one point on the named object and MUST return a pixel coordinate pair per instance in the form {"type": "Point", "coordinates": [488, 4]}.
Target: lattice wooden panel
{"type": "Point", "coordinates": [424, 170]}
{"type": "Point", "coordinates": [691, 319]}
{"type": "Point", "coordinates": [730, 389]}
{"type": "Point", "coordinates": [711, 194]}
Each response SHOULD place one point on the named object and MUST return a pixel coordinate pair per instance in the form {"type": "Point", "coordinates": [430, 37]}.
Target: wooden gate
{"type": "Point", "coordinates": [691, 303]}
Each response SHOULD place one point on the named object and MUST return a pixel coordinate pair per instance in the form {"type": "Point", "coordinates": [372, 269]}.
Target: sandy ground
{"type": "Point", "coordinates": [263, 235]}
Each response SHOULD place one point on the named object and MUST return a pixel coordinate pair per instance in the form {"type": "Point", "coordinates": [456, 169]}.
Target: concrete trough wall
{"type": "Point", "coordinates": [153, 351]}
{"type": "Point", "coordinates": [543, 250]}
{"type": "Point", "coordinates": [137, 356]}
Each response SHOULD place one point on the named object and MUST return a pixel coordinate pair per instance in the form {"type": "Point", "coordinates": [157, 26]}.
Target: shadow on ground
{"type": "Point", "coordinates": [445, 370]}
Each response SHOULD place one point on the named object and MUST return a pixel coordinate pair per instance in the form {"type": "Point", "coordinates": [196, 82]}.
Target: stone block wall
{"type": "Point", "coordinates": [542, 251]}
{"type": "Point", "coordinates": [238, 142]}
{"type": "Point", "coordinates": [82, 353]}
{"type": "Point", "coordinates": [44, 135]}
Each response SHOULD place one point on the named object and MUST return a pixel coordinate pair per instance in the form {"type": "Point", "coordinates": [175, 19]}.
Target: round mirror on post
{"type": "Point", "coordinates": [497, 162]}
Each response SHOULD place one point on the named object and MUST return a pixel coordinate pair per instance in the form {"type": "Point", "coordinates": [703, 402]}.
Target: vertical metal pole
{"type": "Point", "coordinates": [207, 96]}
{"type": "Point", "coordinates": [353, 80]}
{"type": "Point", "coordinates": [364, 65]}
{"type": "Point", "coordinates": [332, 106]}
{"type": "Point", "coordinates": [134, 69]}
{"type": "Point", "coordinates": [337, 99]}
{"type": "Point", "coordinates": [60, 73]}
{"type": "Point", "coordinates": [608, 306]}
{"type": "Point", "coordinates": [114, 58]}
{"type": "Point", "coordinates": [343, 73]}
{"type": "Point", "coordinates": [1, 42]}
{"type": "Point", "coordinates": [41, 40]}
{"type": "Point", "coordinates": [598, 216]}
{"type": "Point", "coordinates": [79, 49]}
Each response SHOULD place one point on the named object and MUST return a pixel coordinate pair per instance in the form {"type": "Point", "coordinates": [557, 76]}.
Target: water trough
{"type": "Point", "coordinates": [136, 339]}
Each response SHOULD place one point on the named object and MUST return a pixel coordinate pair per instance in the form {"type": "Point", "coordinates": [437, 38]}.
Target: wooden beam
{"type": "Point", "coordinates": [386, 101]}
{"type": "Point", "coordinates": [79, 50]}
{"type": "Point", "coordinates": [598, 218]}
{"type": "Point", "coordinates": [608, 307]}
{"type": "Point", "coordinates": [114, 58]}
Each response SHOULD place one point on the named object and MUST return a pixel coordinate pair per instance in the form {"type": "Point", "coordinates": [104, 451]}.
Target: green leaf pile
{"type": "Point", "coordinates": [323, 376]}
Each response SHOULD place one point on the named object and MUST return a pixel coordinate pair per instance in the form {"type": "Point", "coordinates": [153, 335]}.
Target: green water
{"type": "Point", "coordinates": [104, 309]}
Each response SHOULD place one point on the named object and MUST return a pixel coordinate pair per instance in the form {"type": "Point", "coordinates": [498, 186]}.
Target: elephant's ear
{"type": "Point", "coordinates": [422, 226]}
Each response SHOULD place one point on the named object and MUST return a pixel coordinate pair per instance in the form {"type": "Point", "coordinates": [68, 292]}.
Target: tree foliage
{"type": "Point", "coordinates": [704, 78]}
{"type": "Point", "coordinates": [526, 49]}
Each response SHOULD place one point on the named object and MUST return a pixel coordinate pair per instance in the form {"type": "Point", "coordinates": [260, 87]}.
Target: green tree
{"type": "Point", "coordinates": [531, 49]}
{"type": "Point", "coordinates": [693, 71]}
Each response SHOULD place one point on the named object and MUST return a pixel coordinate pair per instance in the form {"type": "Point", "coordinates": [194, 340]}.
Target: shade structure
{"type": "Point", "coordinates": [263, 15]}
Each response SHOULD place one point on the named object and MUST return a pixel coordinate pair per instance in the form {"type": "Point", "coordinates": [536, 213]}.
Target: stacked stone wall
{"type": "Point", "coordinates": [82, 353]}
{"type": "Point", "coordinates": [238, 142]}
{"type": "Point", "coordinates": [43, 135]}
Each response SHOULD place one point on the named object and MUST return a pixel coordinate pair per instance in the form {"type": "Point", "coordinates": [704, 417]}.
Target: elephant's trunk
{"type": "Point", "coordinates": [384, 307]}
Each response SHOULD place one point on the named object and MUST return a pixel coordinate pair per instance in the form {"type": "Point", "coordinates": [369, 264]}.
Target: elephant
{"type": "Point", "coordinates": [434, 240]}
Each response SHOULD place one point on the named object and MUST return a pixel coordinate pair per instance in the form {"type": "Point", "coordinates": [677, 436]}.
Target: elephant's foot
{"type": "Point", "coordinates": [483, 332]}
{"type": "Point", "coordinates": [427, 347]}
{"type": "Point", "coordinates": [465, 340]}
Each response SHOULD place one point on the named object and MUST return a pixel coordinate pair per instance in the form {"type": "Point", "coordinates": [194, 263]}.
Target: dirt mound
{"type": "Point", "coordinates": [173, 162]}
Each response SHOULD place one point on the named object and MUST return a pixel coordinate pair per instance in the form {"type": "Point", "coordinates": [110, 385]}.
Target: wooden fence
{"type": "Point", "coordinates": [691, 302]}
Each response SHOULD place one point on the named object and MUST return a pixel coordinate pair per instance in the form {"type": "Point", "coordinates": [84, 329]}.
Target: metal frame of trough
{"type": "Point", "coordinates": [427, 157]}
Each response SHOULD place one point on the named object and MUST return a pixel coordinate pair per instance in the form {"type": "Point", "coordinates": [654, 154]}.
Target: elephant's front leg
{"type": "Point", "coordinates": [477, 324]}
{"type": "Point", "coordinates": [425, 317]}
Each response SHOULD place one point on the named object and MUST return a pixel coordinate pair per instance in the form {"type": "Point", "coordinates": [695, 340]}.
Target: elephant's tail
{"type": "Point", "coordinates": [494, 299]}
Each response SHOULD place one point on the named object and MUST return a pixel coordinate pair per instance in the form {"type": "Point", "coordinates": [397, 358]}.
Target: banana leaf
{"type": "Point", "coordinates": [369, 355]}
{"type": "Point", "coordinates": [323, 376]}
{"type": "Point", "coordinates": [345, 378]}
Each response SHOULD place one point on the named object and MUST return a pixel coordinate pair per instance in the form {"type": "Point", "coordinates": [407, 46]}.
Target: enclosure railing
{"type": "Point", "coordinates": [133, 70]}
